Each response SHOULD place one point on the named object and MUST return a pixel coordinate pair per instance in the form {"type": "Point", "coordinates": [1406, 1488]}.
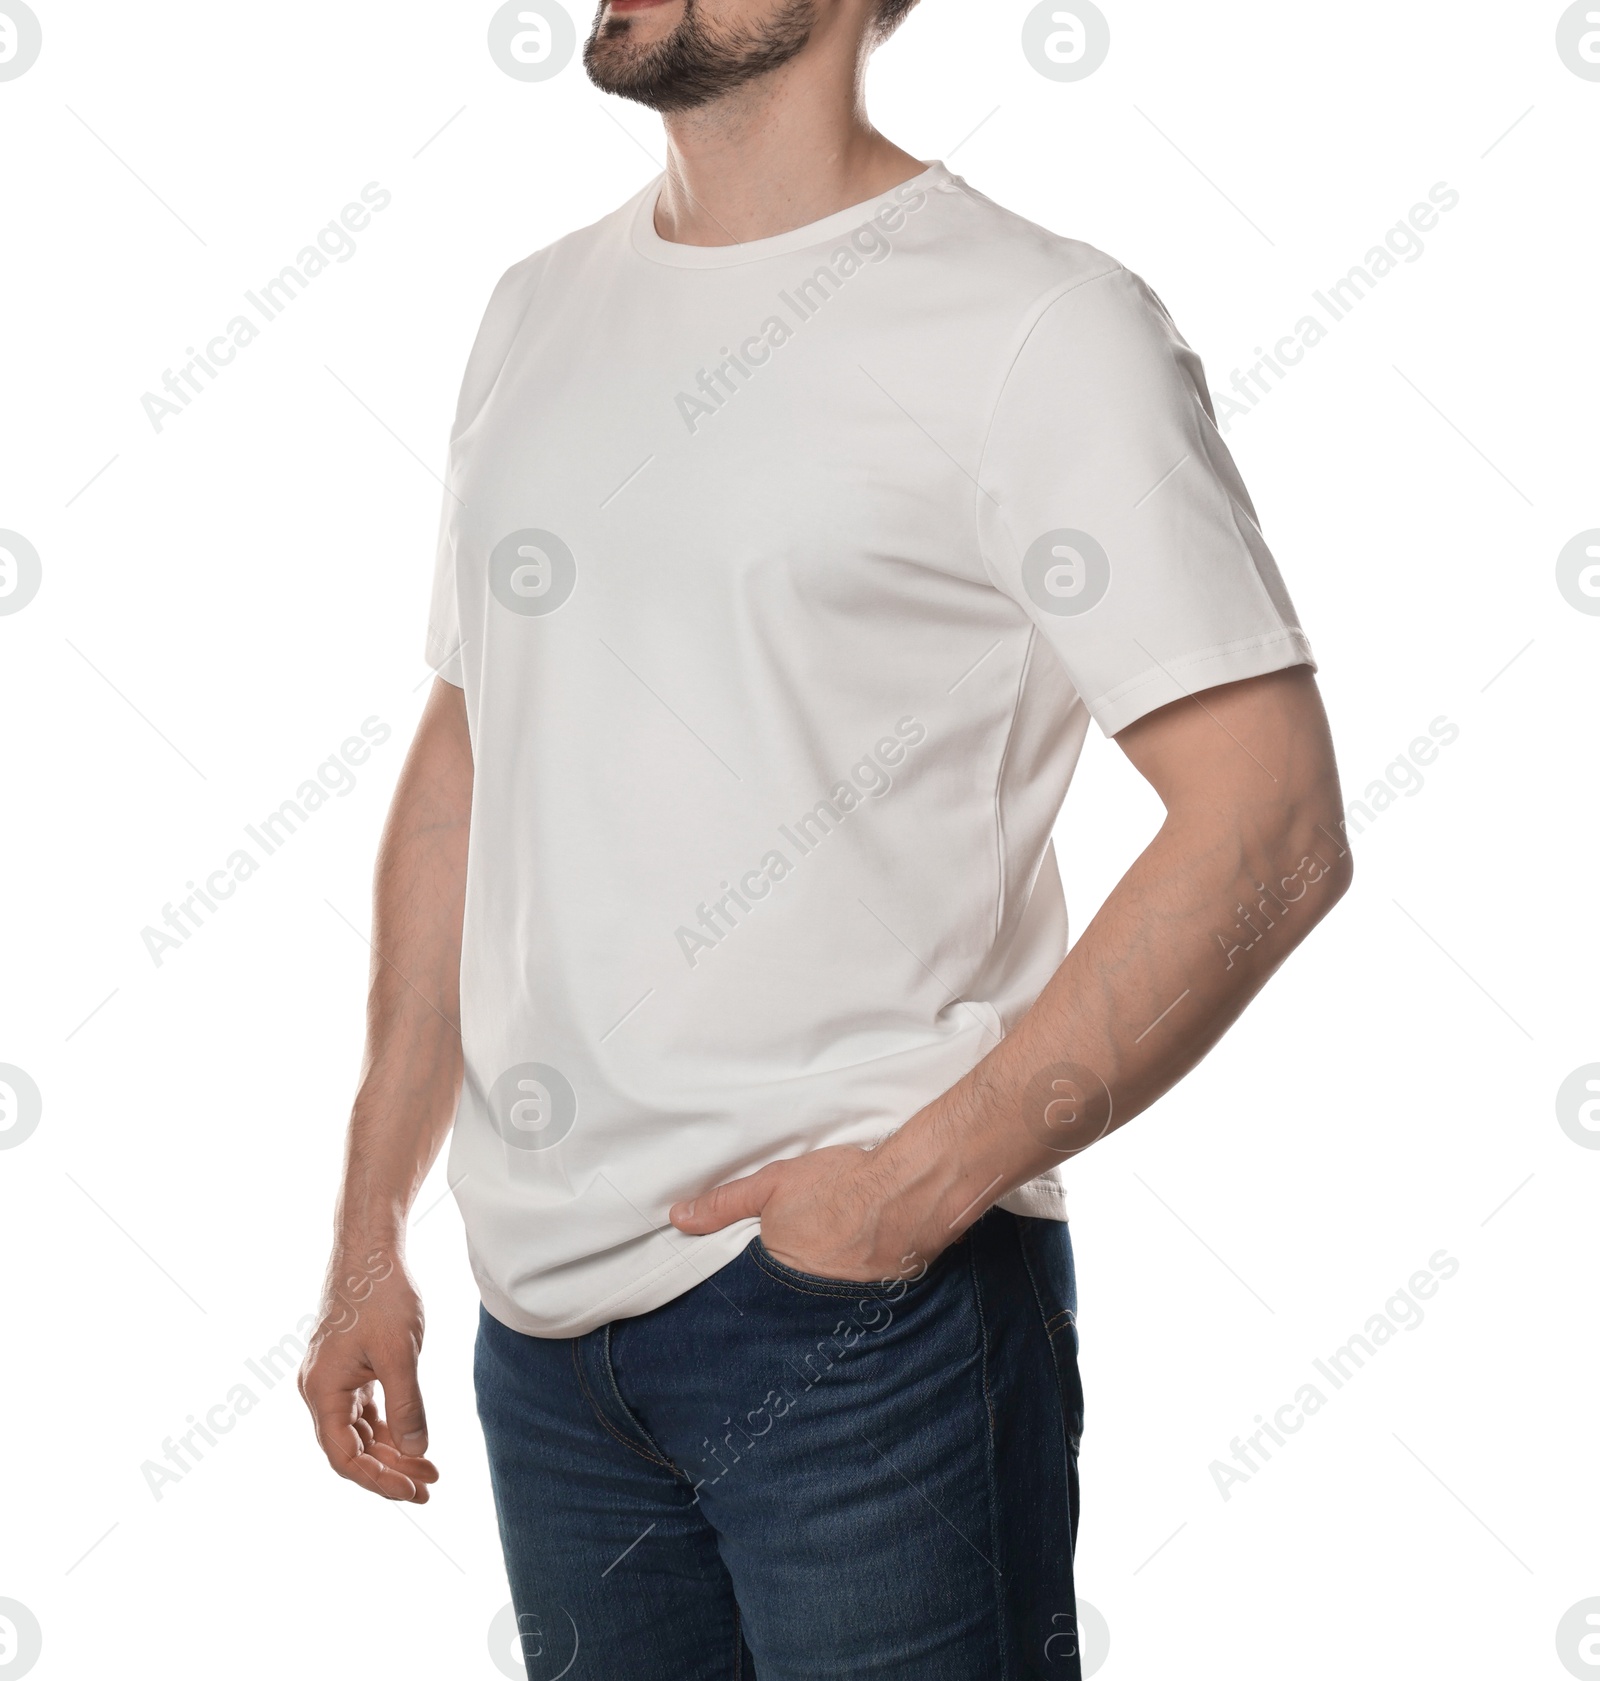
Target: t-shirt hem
{"type": "Point", "coordinates": [1174, 679]}
{"type": "Point", "coordinates": [1040, 1199]}
{"type": "Point", "coordinates": [674, 1277]}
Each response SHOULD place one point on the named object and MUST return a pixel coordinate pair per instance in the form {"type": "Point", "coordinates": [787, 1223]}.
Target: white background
{"type": "Point", "coordinates": [228, 599]}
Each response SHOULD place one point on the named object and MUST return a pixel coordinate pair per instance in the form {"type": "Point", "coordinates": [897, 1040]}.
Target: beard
{"type": "Point", "coordinates": [696, 63]}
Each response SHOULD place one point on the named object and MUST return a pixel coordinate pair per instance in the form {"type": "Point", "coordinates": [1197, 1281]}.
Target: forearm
{"type": "Point", "coordinates": [412, 1067]}
{"type": "Point", "coordinates": [401, 1114]}
{"type": "Point", "coordinates": [1191, 933]}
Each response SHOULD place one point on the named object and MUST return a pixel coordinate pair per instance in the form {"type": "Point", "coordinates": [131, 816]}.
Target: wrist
{"type": "Point", "coordinates": [936, 1181]}
{"type": "Point", "coordinates": [993, 1131]}
{"type": "Point", "coordinates": [374, 1204]}
{"type": "Point", "coordinates": [361, 1258]}
{"type": "Point", "coordinates": [366, 1231]}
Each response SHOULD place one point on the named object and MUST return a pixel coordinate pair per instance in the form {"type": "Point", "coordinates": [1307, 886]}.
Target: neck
{"type": "Point", "coordinates": [784, 151]}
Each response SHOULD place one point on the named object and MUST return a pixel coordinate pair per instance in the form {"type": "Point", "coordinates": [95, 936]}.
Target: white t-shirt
{"type": "Point", "coordinates": [782, 580]}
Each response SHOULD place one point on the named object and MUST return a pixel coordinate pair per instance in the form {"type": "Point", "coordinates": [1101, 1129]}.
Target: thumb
{"type": "Point", "coordinates": [402, 1402]}
{"type": "Point", "coordinates": [739, 1199]}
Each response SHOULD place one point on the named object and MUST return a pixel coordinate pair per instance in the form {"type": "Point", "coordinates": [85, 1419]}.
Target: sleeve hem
{"type": "Point", "coordinates": [445, 665]}
{"type": "Point", "coordinates": [1231, 662]}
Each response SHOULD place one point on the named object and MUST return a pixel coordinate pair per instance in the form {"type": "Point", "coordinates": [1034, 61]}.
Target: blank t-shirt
{"type": "Point", "coordinates": [782, 580]}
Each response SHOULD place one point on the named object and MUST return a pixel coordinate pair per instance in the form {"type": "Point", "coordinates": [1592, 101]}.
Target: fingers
{"type": "Point", "coordinates": [346, 1453]}
{"type": "Point", "coordinates": [360, 1445]}
{"type": "Point", "coordinates": [739, 1199]}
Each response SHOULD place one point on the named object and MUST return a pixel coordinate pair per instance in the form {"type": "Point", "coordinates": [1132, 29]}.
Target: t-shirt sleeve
{"type": "Point", "coordinates": [442, 649]}
{"type": "Point", "coordinates": [508, 305]}
{"type": "Point", "coordinates": [1110, 509]}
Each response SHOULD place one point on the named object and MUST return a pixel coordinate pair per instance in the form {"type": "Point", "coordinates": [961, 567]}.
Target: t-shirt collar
{"type": "Point", "coordinates": [648, 243]}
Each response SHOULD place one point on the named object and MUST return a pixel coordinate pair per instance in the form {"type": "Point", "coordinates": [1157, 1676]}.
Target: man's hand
{"type": "Point", "coordinates": [370, 1334]}
{"type": "Point", "coordinates": [833, 1212]}
{"type": "Point", "coordinates": [1250, 858]}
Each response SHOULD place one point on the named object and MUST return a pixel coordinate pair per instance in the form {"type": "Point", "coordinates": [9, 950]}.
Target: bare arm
{"type": "Point", "coordinates": [371, 1326]}
{"type": "Point", "coordinates": [1249, 859]}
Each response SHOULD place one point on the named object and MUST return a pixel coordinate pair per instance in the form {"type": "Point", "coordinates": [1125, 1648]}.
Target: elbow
{"type": "Point", "coordinates": [1299, 862]}
{"type": "Point", "coordinates": [1344, 870]}
{"type": "Point", "coordinates": [1317, 838]}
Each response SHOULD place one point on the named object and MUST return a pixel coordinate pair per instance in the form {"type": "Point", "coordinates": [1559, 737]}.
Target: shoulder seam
{"type": "Point", "coordinates": [1035, 313]}
{"type": "Point", "coordinates": [463, 425]}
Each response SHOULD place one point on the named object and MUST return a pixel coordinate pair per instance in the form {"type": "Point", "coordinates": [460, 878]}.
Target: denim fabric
{"type": "Point", "coordinates": [794, 1478]}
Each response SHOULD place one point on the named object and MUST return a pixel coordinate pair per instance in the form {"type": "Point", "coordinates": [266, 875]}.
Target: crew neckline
{"type": "Point", "coordinates": [648, 243]}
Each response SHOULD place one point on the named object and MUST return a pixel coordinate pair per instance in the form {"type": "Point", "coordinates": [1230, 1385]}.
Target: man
{"type": "Point", "coordinates": [802, 512]}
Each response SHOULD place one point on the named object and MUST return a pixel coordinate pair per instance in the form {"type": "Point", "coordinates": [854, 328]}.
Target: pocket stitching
{"type": "Point", "coordinates": [805, 1283]}
{"type": "Point", "coordinates": [1057, 1320]}
{"type": "Point", "coordinates": [606, 1424]}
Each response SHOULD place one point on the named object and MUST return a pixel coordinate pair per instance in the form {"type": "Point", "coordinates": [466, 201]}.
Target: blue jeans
{"type": "Point", "coordinates": [796, 1478]}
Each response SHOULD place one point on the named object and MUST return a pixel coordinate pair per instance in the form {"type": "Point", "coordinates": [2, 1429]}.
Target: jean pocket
{"type": "Point", "coordinates": [815, 1284]}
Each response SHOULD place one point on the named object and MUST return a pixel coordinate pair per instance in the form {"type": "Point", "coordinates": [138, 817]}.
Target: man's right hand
{"type": "Point", "coordinates": [370, 1335]}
